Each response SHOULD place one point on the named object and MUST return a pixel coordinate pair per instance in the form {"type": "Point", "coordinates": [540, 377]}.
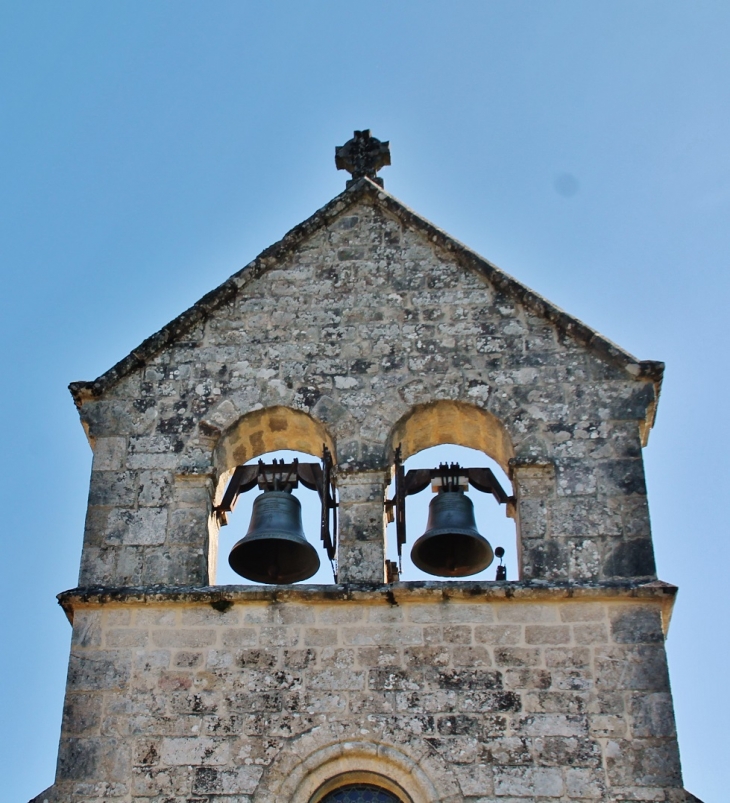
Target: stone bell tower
{"type": "Point", "coordinates": [368, 330]}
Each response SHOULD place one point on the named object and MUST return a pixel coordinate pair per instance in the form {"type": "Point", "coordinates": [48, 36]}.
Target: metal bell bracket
{"type": "Point", "coordinates": [281, 476]}
{"type": "Point", "coordinates": [452, 477]}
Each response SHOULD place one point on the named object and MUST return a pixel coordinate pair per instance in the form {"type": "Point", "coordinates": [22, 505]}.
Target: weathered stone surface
{"type": "Point", "coordinates": [207, 705]}
{"type": "Point", "coordinates": [98, 670]}
{"type": "Point", "coordinates": [142, 527]}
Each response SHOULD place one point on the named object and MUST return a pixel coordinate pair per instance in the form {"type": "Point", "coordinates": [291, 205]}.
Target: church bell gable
{"type": "Point", "coordinates": [363, 338]}
{"type": "Point", "coordinates": [360, 316]}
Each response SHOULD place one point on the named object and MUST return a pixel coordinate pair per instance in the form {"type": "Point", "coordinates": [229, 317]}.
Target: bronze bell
{"type": "Point", "coordinates": [451, 545]}
{"type": "Point", "coordinates": [275, 549]}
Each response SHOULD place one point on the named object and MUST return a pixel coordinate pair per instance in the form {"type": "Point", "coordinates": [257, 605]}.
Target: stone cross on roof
{"type": "Point", "coordinates": [363, 156]}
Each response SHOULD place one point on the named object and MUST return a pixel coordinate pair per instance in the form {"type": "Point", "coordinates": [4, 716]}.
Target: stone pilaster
{"type": "Point", "coordinates": [189, 547]}
{"type": "Point", "coordinates": [534, 484]}
{"type": "Point", "coordinates": [361, 548]}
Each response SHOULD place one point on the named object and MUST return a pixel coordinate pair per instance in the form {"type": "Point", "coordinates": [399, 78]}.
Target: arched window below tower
{"type": "Point", "coordinates": [358, 786]}
{"type": "Point", "coordinates": [359, 793]}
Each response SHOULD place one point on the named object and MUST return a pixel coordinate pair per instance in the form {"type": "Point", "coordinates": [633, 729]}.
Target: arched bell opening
{"type": "Point", "coordinates": [264, 436]}
{"type": "Point", "coordinates": [447, 432]}
{"type": "Point", "coordinates": [423, 511]}
{"type": "Point", "coordinates": [275, 511]}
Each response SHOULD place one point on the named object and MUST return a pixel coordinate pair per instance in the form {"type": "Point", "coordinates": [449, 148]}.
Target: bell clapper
{"type": "Point", "coordinates": [501, 569]}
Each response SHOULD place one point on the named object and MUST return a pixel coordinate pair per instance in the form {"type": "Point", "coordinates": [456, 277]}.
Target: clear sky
{"type": "Point", "coordinates": [150, 149]}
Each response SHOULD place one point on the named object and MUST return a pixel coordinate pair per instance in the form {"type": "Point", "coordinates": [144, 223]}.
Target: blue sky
{"type": "Point", "coordinates": [150, 149]}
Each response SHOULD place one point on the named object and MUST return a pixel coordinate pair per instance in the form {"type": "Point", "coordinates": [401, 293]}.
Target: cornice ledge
{"type": "Point", "coordinates": [222, 597]}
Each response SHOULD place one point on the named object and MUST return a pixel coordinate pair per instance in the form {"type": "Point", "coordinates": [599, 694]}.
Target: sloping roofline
{"type": "Point", "coordinates": [364, 187]}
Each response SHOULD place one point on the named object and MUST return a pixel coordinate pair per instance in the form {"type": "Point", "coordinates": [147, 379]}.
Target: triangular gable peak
{"type": "Point", "coordinates": [366, 191]}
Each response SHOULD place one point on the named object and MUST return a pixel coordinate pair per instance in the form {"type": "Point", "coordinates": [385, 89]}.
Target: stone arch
{"type": "Point", "coordinates": [268, 430]}
{"type": "Point", "coordinates": [446, 421]}
{"type": "Point", "coordinates": [309, 763]}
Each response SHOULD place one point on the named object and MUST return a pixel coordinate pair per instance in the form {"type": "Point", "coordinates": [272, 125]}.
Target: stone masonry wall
{"type": "Point", "coordinates": [531, 696]}
{"type": "Point", "coordinates": [364, 319]}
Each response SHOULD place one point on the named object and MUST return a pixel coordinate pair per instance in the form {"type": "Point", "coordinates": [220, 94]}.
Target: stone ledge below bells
{"type": "Point", "coordinates": [393, 593]}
